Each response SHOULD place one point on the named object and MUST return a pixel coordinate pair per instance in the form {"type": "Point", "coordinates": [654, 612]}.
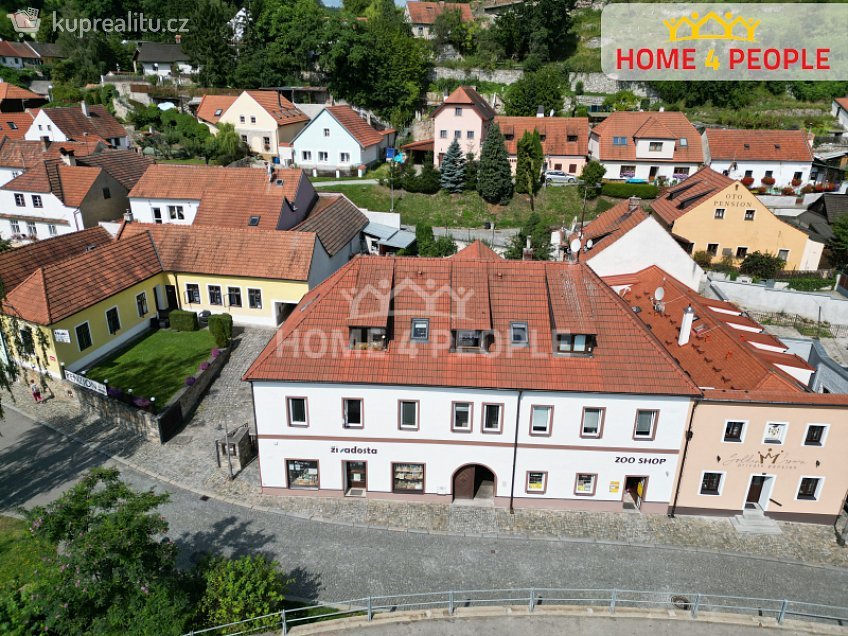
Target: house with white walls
{"type": "Point", "coordinates": [264, 120]}
{"type": "Point", "coordinates": [18, 55]}
{"type": "Point", "coordinates": [342, 139]}
{"type": "Point", "coordinates": [534, 386]}
{"type": "Point", "coordinates": [626, 238]}
{"type": "Point", "coordinates": [646, 146]}
{"type": "Point", "coordinates": [839, 109]}
{"type": "Point", "coordinates": [84, 123]}
{"type": "Point", "coordinates": [770, 158]}
{"type": "Point", "coordinates": [162, 59]}
{"type": "Point", "coordinates": [422, 15]}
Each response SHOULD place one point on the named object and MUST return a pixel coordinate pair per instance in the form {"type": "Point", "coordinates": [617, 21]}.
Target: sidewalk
{"type": "Point", "coordinates": [188, 462]}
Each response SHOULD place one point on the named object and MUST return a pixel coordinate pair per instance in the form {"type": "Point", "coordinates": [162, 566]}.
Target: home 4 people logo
{"type": "Point", "coordinates": [25, 20]}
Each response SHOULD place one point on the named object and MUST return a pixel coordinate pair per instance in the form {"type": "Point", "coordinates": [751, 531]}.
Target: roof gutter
{"type": "Point", "coordinates": [683, 460]}
{"type": "Point", "coordinates": [515, 451]}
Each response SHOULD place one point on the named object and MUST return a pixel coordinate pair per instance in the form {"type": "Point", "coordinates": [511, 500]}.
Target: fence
{"type": "Point", "coordinates": [804, 326]}
{"type": "Point", "coordinates": [531, 598]}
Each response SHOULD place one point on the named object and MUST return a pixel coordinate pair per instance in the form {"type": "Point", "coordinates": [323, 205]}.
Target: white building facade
{"type": "Point", "coordinates": [325, 144]}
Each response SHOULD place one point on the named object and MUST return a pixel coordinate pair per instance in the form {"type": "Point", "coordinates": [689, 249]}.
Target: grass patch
{"type": "Point", "coordinates": [192, 161]}
{"type": "Point", "coordinates": [19, 554]}
{"type": "Point", "coordinates": [304, 614]}
{"type": "Point", "coordinates": [157, 365]}
{"type": "Point", "coordinates": [556, 205]}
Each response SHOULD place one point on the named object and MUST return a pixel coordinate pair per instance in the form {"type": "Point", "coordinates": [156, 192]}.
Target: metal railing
{"type": "Point", "coordinates": [608, 600]}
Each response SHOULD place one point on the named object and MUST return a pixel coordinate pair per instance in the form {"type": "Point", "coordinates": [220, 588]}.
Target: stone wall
{"type": "Point", "coordinates": [189, 397]}
{"type": "Point", "coordinates": [499, 76]}
{"type": "Point", "coordinates": [600, 83]}
{"type": "Point", "coordinates": [805, 304]}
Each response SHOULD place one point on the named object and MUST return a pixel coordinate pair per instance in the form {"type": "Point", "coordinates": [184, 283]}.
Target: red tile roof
{"type": "Point", "coordinates": [486, 293]}
{"type": "Point", "coordinates": [70, 184]}
{"type": "Point", "coordinates": [364, 134]}
{"type": "Point", "coordinates": [477, 251]}
{"type": "Point", "coordinates": [228, 196]}
{"type": "Point", "coordinates": [76, 126]}
{"type": "Point", "coordinates": [758, 145]}
{"type": "Point", "coordinates": [717, 355]}
{"type": "Point", "coordinates": [18, 263]}
{"type": "Point", "coordinates": [19, 153]}
{"type": "Point", "coordinates": [16, 125]}
{"type": "Point", "coordinates": [611, 225]}
{"type": "Point", "coordinates": [554, 130]}
{"type": "Point", "coordinates": [336, 221]}
{"type": "Point", "coordinates": [246, 252]}
{"type": "Point", "coordinates": [423, 145]}
{"type": "Point", "coordinates": [125, 166]}
{"type": "Point", "coordinates": [8, 48]}
{"type": "Point", "coordinates": [427, 12]}
{"type": "Point", "coordinates": [10, 91]}
{"type": "Point", "coordinates": [467, 96]}
{"type": "Point", "coordinates": [281, 109]}
{"type": "Point", "coordinates": [679, 199]}
{"type": "Point", "coordinates": [842, 101]}
{"type": "Point", "coordinates": [211, 104]}
{"type": "Point", "coordinates": [54, 292]}
{"type": "Point", "coordinates": [632, 125]}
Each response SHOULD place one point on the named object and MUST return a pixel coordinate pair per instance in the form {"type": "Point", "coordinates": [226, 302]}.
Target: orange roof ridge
{"type": "Point", "coordinates": [476, 251]}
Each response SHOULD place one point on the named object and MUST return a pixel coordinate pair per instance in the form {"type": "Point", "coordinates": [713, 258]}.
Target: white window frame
{"type": "Point", "coordinates": [175, 212]}
{"type": "Point", "coordinates": [653, 433]}
{"type": "Point", "coordinates": [721, 482]}
{"type": "Point", "coordinates": [249, 305]}
{"type": "Point", "coordinates": [344, 157]}
{"type": "Point", "coordinates": [597, 434]}
{"type": "Point", "coordinates": [817, 496]}
{"type": "Point", "coordinates": [241, 297]}
{"type": "Point", "coordinates": [523, 343]}
{"type": "Point", "coordinates": [782, 441]}
{"type": "Point", "coordinates": [788, 252]}
{"type": "Point", "coordinates": [409, 427]}
{"type": "Point", "coordinates": [199, 297]}
{"type": "Point", "coordinates": [540, 491]}
{"type": "Point", "coordinates": [594, 484]}
{"type": "Point", "coordinates": [323, 156]}
{"type": "Point", "coordinates": [306, 155]}
{"type": "Point", "coordinates": [52, 230]}
{"type": "Point", "coordinates": [741, 436]}
{"type": "Point", "coordinates": [220, 293]}
{"type": "Point", "coordinates": [345, 422]}
{"type": "Point", "coordinates": [106, 315]}
{"type": "Point", "coordinates": [20, 200]}
{"type": "Point", "coordinates": [549, 426]}
{"type": "Point", "coordinates": [289, 418]}
{"type": "Point", "coordinates": [470, 426]}
{"type": "Point", "coordinates": [412, 336]}
{"type": "Point", "coordinates": [483, 418]}
{"type": "Point", "coordinates": [824, 435]}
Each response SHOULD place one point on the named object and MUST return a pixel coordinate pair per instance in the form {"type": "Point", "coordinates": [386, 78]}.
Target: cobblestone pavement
{"type": "Point", "coordinates": [188, 461]}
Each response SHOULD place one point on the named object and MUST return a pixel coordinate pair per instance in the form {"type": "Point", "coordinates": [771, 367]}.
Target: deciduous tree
{"type": "Point", "coordinates": [528, 167]}
{"type": "Point", "coordinates": [542, 88]}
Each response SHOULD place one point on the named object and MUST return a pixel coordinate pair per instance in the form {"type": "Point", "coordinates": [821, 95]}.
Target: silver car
{"type": "Point", "coordinates": [558, 177]}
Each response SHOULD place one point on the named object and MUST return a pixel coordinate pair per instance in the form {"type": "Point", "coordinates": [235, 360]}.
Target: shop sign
{"type": "Point", "coordinates": [353, 450]}
{"type": "Point", "coordinates": [614, 486]}
{"type": "Point", "coordinates": [770, 458]}
{"type": "Point", "coordinates": [62, 335]}
{"type": "Point", "coordinates": [81, 380]}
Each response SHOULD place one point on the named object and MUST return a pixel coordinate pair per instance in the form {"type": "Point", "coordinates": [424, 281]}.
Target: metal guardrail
{"type": "Point", "coordinates": [600, 599]}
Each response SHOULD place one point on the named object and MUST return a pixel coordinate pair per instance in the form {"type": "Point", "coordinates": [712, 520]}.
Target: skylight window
{"type": "Point", "coordinates": [254, 221]}
{"type": "Point", "coordinates": [518, 333]}
{"type": "Point", "coordinates": [218, 112]}
{"type": "Point", "coordinates": [684, 142]}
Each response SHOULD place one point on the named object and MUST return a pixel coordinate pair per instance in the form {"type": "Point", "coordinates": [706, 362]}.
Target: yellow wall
{"type": "Point", "coordinates": [265, 126]}
{"type": "Point", "coordinates": [766, 233]}
{"type": "Point", "coordinates": [272, 290]}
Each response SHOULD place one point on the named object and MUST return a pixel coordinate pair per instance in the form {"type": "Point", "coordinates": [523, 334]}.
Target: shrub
{"type": "Point", "coordinates": [810, 283]}
{"type": "Point", "coordinates": [747, 181]}
{"type": "Point", "coordinates": [204, 365]}
{"type": "Point", "coordinates": [787, 191]}
{"type": "Point", "coordinates": [183, 320]}
{"type": "Point", "coordinates": [702, 258]}
{"type": "Point", "coordinates": [578, 87]}
{"type": "Point", "coordinates": [190, 380]}
{"type": "Point", "coordinates": [769, 181]}
{"type": "Point", "coordinates": [762, 264]}
{"type": "Point", "coordinates": [221, 328]}
{"type": "Point", "coordinates": [627, 190]}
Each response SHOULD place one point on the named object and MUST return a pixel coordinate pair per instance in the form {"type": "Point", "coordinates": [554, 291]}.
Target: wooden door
{"type": "Point", "coordinates": [755, 489]}
{"type": "Point", "coordinates": [463, 483]}
{"type": "Point", "coordinates": [171, 294]}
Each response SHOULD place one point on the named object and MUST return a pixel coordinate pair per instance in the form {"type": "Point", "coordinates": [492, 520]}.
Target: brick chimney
{"type": "Point", "coordinates": [527, 253]}
{"type": "Point", "coordinates": [633, 204]}
{"type": "Point", "coordinates": [178, 38]}
{"type": "Point", "coordinates": [84, 108]}
{"type": "Point", "coordinates": [686, 326]}
{"type": "Point", "coordinates": [68, 157]}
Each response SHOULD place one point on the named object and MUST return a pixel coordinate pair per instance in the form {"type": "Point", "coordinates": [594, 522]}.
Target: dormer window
{"type": "Point", "coordinates": [574, 343]}
{"type": "Point", "coordinates": [619, 141]}
{"type": "Point", "coordinates": [370, 338]}
{"type": "Point", "coordinates": [518, 333]}
{"type": "Point", "coordinates": [472, 340]}
{"type": "Point", "coordinates": [571, 138]}
{"type": "Point", "coordinates": [420, 329]}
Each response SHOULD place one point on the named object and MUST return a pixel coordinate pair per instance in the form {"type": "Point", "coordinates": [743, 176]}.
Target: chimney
{"type": "Point", "coordinates": [45, 143]}
{"type": "Point", "coordinates": [686, 326]}
{"type": "Point", "coordinates": [540, 111]}
{"type": "Point", "coordinates": [128, 216]}
{"type": "Point", "coordinates": [527, 254]}
{"type": "Point", "coordinates": [178, 38]}
{"type": "Point", "coordinates": [68, 157]}
{"type": "Point", "coordinates": [633, 204]}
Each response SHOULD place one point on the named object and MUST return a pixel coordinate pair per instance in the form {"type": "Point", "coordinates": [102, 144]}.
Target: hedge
{"type": "Point", "coordinates": [183, 320]}
{"type": "Point", "coordinates": [812, 283]}
{"type": "Point", "coordinates": [627, 190]}
{"type": "Point", "coordinates": [221, 328]}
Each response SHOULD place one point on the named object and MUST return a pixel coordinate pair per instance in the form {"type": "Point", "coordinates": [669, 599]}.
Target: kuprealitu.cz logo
{"type": "Point", "coordinates": [28, 21]}
{"type": "Point", "coordinates": [25, 20]}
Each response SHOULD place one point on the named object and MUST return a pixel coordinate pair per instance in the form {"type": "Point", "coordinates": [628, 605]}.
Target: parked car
{"type": "Point", "coordinates": [558, 177]}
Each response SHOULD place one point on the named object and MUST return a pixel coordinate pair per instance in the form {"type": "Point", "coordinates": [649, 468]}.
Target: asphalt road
{"type": "Point", "coordinates": [334, 562]}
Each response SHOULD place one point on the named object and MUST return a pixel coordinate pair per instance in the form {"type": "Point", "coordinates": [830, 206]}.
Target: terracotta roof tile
{"type": "Point", "coordinates": [467, 96]}
{"type": "Point", "coordinates": [278, 107]}
{"type": "Point", "coordinates": [16, 125]}
{"type": "Point", "coordinates": [477, 251]}
{"type": "Point", "coordinates": [19, 153]}
{"type": "Point", "coordinates": [427, 12]}
{"type": "Point", "coordinates": [679, 199]}
{"type": "Point", "coordinates": [668, 125]}
{"type": "Point", "coordinates": [9, 48]}
{"type": "Point", "coordinates": [364, 134]}
{"type": "Point", "coordinates": [758, 145]}
{"type": "Point", "coordinates": [76, 126]}
{"type": "Point", "coordinates": [717, 356]}
{"type": "Point", "coordinates": [54, 292]}
{"type": "Point", "coordinates": [10, 91]}
{"type": "Point", "coordinates": [212, 107]}
{"type": "Point", "coordinates": [18, 263]}
{"type": "Point", "coordinates": [125, 166]}
{"type": "Point", "coordinates": [335, 220]}
{"type": "Point", "coordinates": [611, 225]}
{"type": "Point", "coordinates": [453, 291]}
{"type": "Point", "coordinates": [842, 101]}
{"type": "Point", "coordinates": [231, 252]}
{"type": "Point", "coordinates": [70, 184]}
{"type": "Point", "coordinates": [555, 130]}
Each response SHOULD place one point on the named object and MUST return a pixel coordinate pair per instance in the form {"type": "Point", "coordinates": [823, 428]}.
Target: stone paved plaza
{"type": "Point", "coordinates": [188, 461]}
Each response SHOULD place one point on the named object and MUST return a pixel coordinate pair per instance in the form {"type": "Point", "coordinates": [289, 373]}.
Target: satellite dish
{"type": "Point", "coordinates": [574, 245]}
{"type": "Point", "coordinates": [659, 294]}
{"type": "Point", "coordinates": [589, 244]}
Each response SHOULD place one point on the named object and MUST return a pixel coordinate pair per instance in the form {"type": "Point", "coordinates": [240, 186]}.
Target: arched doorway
{"type": "Point", "coordinates": [473, 481]}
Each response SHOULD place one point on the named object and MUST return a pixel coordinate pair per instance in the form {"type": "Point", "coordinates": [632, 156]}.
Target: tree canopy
{"type": "Point", "coordinates": [542, 88]}
{"type": "Point", "coordinates": [494, 175]}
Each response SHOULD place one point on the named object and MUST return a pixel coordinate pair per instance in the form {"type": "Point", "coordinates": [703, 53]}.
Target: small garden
{"type": "Point", "coordinates": [164, 361]}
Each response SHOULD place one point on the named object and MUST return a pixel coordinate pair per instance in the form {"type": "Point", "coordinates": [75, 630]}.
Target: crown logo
{"type": "Point", "coordinates": [728, 23]}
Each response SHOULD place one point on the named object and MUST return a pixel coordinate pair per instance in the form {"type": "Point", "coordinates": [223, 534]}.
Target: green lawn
{"type": "Point", "coordinates": [555, 205]}
{"type": "Point", "coordinates": [158, 365]}
{"type": "Point", "coordinates": [19, 557]}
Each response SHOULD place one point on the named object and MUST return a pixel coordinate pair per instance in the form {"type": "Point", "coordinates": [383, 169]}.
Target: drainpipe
{"type": "Point", "coordinates": [683, 460]}
{"type": "Point", "coordinates": [515, 451]}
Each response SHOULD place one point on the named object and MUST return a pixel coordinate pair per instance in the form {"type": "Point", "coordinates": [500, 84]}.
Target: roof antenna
{"type": "Point", "coordinates": [659, 294]}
